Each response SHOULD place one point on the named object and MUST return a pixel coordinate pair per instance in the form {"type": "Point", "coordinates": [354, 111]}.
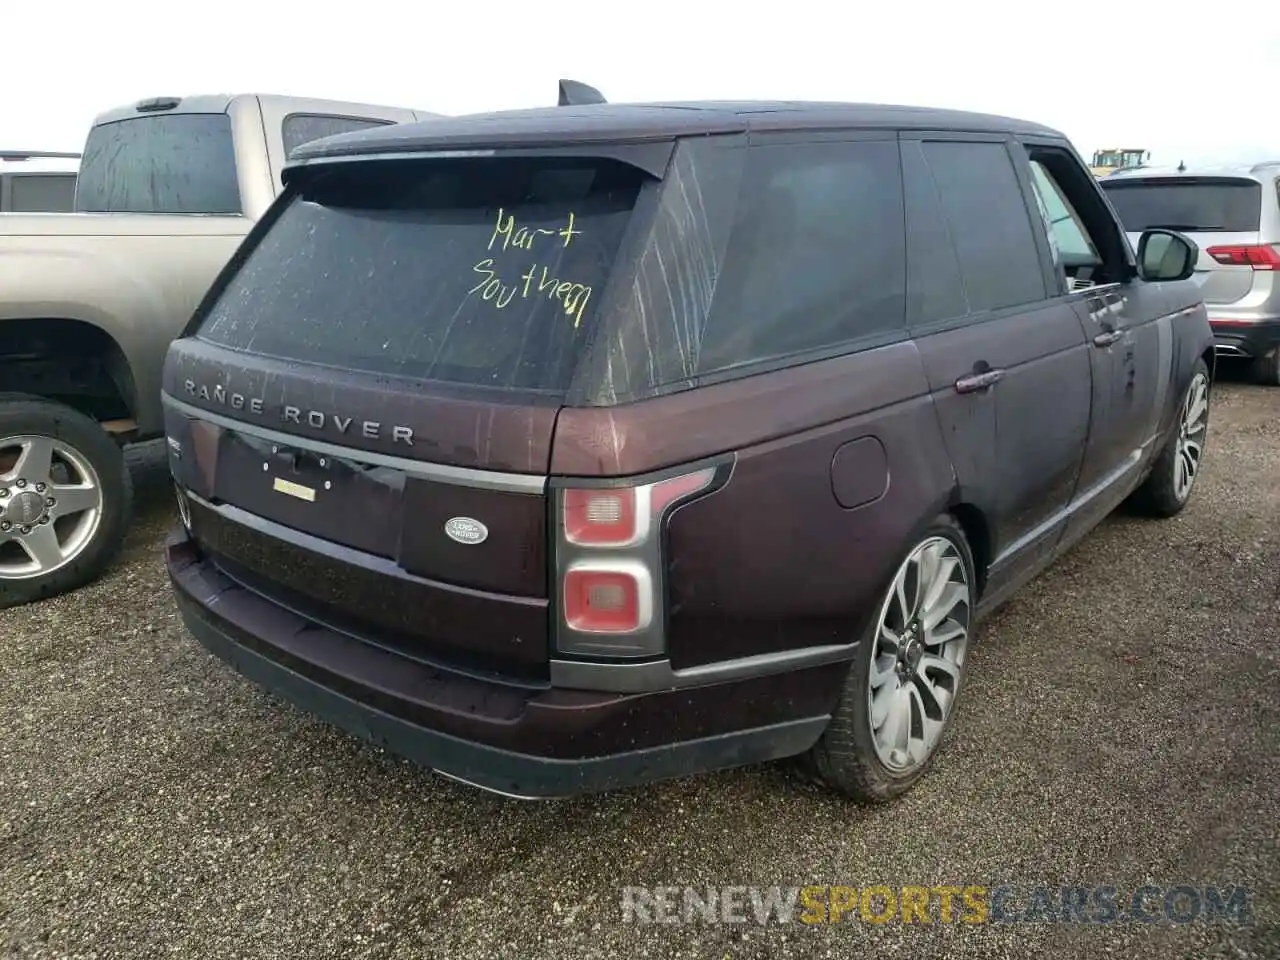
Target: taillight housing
{"type": "Point", "coordinates": [1258, 256]}
{"type": "Point", "coordinates": [610, 565]}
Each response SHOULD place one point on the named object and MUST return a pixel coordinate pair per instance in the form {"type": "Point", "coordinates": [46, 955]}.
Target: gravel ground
{"type": "Point", "coordinates": [1120, 726]}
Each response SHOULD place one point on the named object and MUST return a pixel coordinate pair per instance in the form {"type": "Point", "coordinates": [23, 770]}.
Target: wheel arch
{"type": "Point", "coordinates": [70, 360]}
{"type": "Point", "coordinates": [973, 521]}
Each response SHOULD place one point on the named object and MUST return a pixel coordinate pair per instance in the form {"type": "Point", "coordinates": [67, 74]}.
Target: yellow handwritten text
{"type": "Point", "coordinates": [538, 281]}
{"type": "Point", "coordinates": [523, 237]}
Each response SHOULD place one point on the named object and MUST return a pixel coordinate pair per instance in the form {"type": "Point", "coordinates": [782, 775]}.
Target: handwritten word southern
{"type": "Point", "coordinates": [538, 280]}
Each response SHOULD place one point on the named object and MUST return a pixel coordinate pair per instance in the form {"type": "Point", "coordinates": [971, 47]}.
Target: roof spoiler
{"type": "Point", "coordinates": [574, 94]}
{"type": "Point", "coordinates": [36, 155]}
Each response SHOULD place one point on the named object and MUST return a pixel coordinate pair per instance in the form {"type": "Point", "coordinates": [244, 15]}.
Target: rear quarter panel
{"type": "Point", "coordinates": [774, 560]}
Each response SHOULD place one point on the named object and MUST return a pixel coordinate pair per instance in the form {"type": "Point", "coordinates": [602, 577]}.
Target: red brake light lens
{"type": "Point", "coordinates": [1257, 256]}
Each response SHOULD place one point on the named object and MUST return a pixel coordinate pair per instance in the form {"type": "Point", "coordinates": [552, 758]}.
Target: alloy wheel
{"type": "Point", "coordinates": [50, 505]}
{"type": "Point", "coordinates": [918, 657]}
{"type": "Point", "coordinates": [1192, 428]}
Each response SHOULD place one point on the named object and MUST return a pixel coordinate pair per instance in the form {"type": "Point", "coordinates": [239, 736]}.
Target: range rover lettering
{"type": "Point", "coordinates": [729, 423]}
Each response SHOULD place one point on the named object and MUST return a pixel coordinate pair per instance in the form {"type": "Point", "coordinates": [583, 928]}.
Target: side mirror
{"type": "Point", "coordinates": [1166, 255]}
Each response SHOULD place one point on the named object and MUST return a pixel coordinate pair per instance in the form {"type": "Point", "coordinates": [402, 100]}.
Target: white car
{"type": "Point", "coordinates": [33, 181]}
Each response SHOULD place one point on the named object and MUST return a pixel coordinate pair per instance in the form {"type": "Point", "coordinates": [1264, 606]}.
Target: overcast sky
{"type": "Point", "coordinates": [1170, 77]}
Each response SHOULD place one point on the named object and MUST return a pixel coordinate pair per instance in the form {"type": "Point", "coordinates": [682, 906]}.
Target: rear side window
{"type": "Point", "coordinates": [816, 256]}
{"type": "Point", "coordinates": [988, 222]}
{"type": "Point", "coordinates": [1191, 204]}
{"type": "Point", "coordinates": [479, 272]}
{"type": "Point", "coordinates": [174, 163]}
{"type": "Point", "coordinates": [42, 193]}
{"type": "Point", "coordinates": [300, 128]}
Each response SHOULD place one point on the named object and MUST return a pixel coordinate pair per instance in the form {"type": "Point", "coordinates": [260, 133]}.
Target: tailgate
{"type": "Point", "coordinates": [367, 404]}
{"type": "Point", "coordinates": [299, 497]}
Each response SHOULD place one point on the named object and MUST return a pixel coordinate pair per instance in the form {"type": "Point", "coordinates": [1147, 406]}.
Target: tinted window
{"type": "Point", "coordinates": [815, 258]}
{"type": "Point", "coordinates": [935, 289]}
{"type": "Point", "coordinates": [1194, 204]}
{"type": "Point", "coordinates": [301, 128]}
{"type": "Point", "coordinates": [989, 223]}
{"type": "Point", "coordinates": [176, 163]}
{"type": "Point", "coordinates": [483, 272]}
{"type": "Point", "coordinates": [42, 193]}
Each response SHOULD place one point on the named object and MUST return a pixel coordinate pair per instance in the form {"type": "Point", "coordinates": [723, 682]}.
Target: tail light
{"type": "Point", "coordinates": [610, 565]}
{"type": "Point", "coordinates": [1258, 256]}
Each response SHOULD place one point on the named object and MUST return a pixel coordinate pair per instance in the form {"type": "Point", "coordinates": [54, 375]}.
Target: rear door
{"type": "Point", "coordinates": [1212, 211]}
{"type": "Point", "coordinates": [367, 405]}
{"type": "Point", "coordinates": [1008, 367]}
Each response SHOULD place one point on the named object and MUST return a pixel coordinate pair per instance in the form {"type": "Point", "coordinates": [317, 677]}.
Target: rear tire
{"type": "Point", "coordinates": [1266, 368]}
{"type": "Point", "coordinates": [50, 452]}
{"type": "Point", "coordinates": [1168, 487]}
{"type": "Point", "coordinates": [908, 669]}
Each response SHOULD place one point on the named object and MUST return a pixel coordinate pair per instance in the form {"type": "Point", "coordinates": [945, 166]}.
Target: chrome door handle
{"type": "Point", "coordinates": [1108, 338]}
{"type": "Point", "coordinates": [978, 381]}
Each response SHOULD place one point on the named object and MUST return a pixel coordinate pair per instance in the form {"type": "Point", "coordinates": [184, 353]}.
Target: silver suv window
{"type": "Point", "coordinates": [1191, 204]}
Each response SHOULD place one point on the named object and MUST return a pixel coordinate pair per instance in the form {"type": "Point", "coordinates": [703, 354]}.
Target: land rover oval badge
{"type": "Point", "coordinates": [465, 530]}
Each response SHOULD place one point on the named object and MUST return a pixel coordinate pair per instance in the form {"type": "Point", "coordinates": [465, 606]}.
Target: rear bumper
{"type": "Point", "coordinates": [527, 742]}
{"type": "Point", "coordinates": [1239, 338]}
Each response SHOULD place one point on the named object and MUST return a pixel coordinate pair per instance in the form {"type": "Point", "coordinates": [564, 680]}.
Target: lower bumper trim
{"type": "Point", "coordinates": [490, 768]}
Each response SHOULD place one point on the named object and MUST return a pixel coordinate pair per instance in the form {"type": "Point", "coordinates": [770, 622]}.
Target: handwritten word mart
{"type": "Point", "coordinates": [537, 280]}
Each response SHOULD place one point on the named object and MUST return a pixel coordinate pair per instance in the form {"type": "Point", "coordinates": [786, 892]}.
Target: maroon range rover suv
{"type": "Point", "coordinates": [571, 448]}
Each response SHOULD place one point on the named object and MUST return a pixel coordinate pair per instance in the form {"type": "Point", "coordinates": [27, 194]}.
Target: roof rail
{"type": "Point", "coordinates": [573, 94]}
{"type": "Point", "coordinates": [36, 155]}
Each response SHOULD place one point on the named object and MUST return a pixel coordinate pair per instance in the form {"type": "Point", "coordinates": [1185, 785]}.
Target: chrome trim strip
{"type": "Point", "coordinates": [659, 675]}
{"type": "Point", "coordinates": [388, 155]}
{"type": "Point", "coordinates": [494, 790]}
{"type": "Point", "coordinates": [439, 472]}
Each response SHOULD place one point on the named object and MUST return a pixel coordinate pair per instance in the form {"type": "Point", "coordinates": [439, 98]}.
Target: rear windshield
{"type": "Point", "coordinates": [1193, 204]}
{"type": "Point", "coordinates": [175, 163]}
{"type": "Point", "coordinates": [487, 272]}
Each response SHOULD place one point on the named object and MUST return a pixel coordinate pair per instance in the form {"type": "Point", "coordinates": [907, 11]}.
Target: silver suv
{"type": "Point", "coordinates": [1233, 214]}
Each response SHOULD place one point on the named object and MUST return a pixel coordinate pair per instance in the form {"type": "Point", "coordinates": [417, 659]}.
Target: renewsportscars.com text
{"type": "Point", "coordinates": [937, 904]}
